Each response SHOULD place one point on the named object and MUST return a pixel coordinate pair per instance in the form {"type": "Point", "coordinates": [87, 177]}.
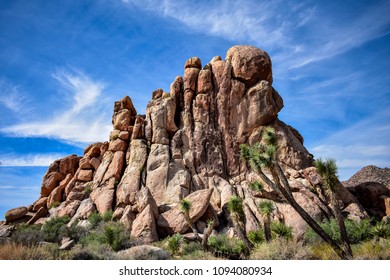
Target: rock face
{"type": "Point", "coordinates": [187, 145]}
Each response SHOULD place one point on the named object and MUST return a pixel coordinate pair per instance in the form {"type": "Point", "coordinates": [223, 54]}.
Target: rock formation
{"type": "Point", "coordinates": [187, 145]}
{"type": "Point", "coordinates": [371, 187]}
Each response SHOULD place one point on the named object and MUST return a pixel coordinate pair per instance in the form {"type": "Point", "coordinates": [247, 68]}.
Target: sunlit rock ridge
{"type": "Point", "coordinates": [187, 145]}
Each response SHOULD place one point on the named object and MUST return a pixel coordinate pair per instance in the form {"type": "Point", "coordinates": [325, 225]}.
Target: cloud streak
{"type": "Point", "coordinates": [365, 143]}
{"type": "Point", "coordinates": [10, 96]}
{"type": "Point", "coordinates": [279, 27]}
{"type": "Point", "coordinates": [85, 121]}
{"type": "Point", "coordinates": [29, 159]}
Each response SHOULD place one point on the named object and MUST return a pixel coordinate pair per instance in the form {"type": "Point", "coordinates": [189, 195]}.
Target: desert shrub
{"type": "Point", "coordinates": [256, 237]}
{"type": "Point", "coordinates": [372, 250]}
{"type": "Point", "coordinates": [15, 251]}
{"type": "Point", "coordinates": [75, 232]}
{"type": "Point", "coordinates": [381, 229]}
{"type": "Point", "coordinates": [191, 248]}
{"type": "Point", "coordinates": [281, 249]}
{"type": "Point", "coordinates": [54, 204]}
{"type": "Point", "coordinates": [225, 246]}
{"type": "Point", "coordinates": [322, 251]}
{"type": "Point", "coordinates": [107, 216]}
{"type": "Point", "coordinates": [357, 231]}
{"type": "Point", "coordinates": [194, 251]}
{"type": "Point", "coordinates": [112, 233]}
{"type": "Point", "coordinates": [174, 242]}
{"type": "Point", "coordinates": [27, 235]}
{"type": "Point", "coordinates": [281, 230]}
{"type": "Point", "coordinates": [53, 229]}
{"type": "Point", "coordinates": [87, 190]}
{"type": "Point", "coordinates": [94, 219]}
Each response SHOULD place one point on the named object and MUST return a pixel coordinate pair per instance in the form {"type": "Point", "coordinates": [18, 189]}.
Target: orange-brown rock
{"type": "Point", "coordinates": [250, 64]}
{"type": "Point", "coordinates": [173, 220]}
{"type": "Point", "coordinates": [144, 226]}
{"type": "Point", "coordinates": [15, 214]}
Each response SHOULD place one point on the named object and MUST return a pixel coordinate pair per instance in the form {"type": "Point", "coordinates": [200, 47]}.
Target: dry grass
{"type": "Point", "coordinates": [281, 249]}
{"type": "Point", "coordinates": [13, 251]}
{"type": "Point", "coordinates": [372, 250]}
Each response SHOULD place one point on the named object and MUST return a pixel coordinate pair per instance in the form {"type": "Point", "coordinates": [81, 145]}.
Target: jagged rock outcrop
{"type": "Point", "coordinates": [187, 145]}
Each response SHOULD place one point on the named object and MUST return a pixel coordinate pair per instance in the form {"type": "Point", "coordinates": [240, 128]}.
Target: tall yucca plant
{"type": "Point", "coordinates": [265, 156]}
{"type": "Point", "coordinates": [266, 209]}
{"type": "Point", "coordinates": [328, 171]}
{"type": "Point", "coordinates": [236, 210]}
{"type": "Point", "coordinates": [185, 207]}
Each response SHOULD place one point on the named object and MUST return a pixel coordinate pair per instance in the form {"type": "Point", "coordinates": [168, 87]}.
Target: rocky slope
{"type": "Point", "coordinates": [371, 186]}
{"type": "Point", "coordinates": [187, 145]}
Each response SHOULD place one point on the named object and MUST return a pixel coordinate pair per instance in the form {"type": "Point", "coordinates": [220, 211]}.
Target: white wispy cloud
{"type": "Point", "coordinates": [85, 120]}
{"type": "Point", "coordinates": [365, 143]}
{"type": "Point", "coordinates": [277, 26]}
{"type": "Point", "coordinates": [10, 96]}
{"type": "Point", "coordinates": [29, 159]}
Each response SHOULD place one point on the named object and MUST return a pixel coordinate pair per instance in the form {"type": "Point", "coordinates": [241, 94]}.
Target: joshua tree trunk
{"type": "Point", "coordinates": [191, 224]}
{"type": "Point", "coordinates": [206, 236]}
{"type": "Point", "coordinates": [340, 221]}
{"type": "Point", "coordinates": [267, 227]}
{"type": "Point", "coordinates": [238, 226]}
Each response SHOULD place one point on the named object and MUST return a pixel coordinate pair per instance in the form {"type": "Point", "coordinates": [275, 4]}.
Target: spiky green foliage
{"type": "Point", "coordinates": [256, 237]}
{"type": "Point", "coordinates": [227, 246]}
{"type": "Point", "coordinates": [107, 216]}
{"type": "Point", "coordinates": [328, 171]}
{"type": "Point", "coordinates": [185, 205]}
{"type": "Point", "coordinates": [235, 206]}
{"type": "Point", "coordinates": [256, 186]}
{"type": "Point", "coordinates": [266, 207]}
{"type": "Point", "coordinates": [281, 230]}
{"type": "Point", "coordinates": [381, 229]}
{"type": "Point", "coordinates": [174, 243]}
{"type": "Point", "coordinates": [269, 136]}
{"type": "Point", "coordinates": [94, 219]}
{"type": "Point", "coordinates": [260, 155]}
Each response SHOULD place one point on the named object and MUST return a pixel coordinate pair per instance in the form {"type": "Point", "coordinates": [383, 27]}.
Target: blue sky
{"type": "Point", "coordinates": [64, 63]}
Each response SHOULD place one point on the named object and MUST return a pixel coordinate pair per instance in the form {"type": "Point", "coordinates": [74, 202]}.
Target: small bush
{"type": "Point", "coordinates": [94, 219]}
{"type": "Point", "coordinates": [54, 204]}
{"type": "Point", "coordinates": [114, 235]}
{"type": "Point", "coordinates": [281, 249]}
{"type": "Point", "coordinates": [87, 190]}
{"type": "Point", "coordinates": [256, 237]}
{"type": "Point", "coordinates": [229, 247]}
{"type": "Point", "coordinates": [190, 248]}
{"type": "Point", "coordinates": [53, 229]}
{"type": "Point", "coordinates": [107, 216]}
{"type": "Point", "coordinates": [381, 230]}
{"type": "Point", "coordinates": [372, 250]}
{"type": "Point", "coordinates": [174, 243]}
{"type": "Point", "coordinates": [281, 230]}
{"type": "Point", "coordinates": [357, 231]}
{"type": "Point", "coordinates": [27, 235]}
{"type": "Point", "coordinates": [322, 251]}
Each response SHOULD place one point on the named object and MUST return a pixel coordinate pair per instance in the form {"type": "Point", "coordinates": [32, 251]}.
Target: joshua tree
{"type": "Point", "coordinates": [264, 155]}
{"type": "Point", "coordinates": [206, 233]}
{"type": "Point", "coordinates": [236, 211]}
{"type": "Point", "coordinates": [266, 209]}
{"type": "Point", "coordinates": [328, 171]}
{"type": "Point", "coordinates": [185, 206]}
